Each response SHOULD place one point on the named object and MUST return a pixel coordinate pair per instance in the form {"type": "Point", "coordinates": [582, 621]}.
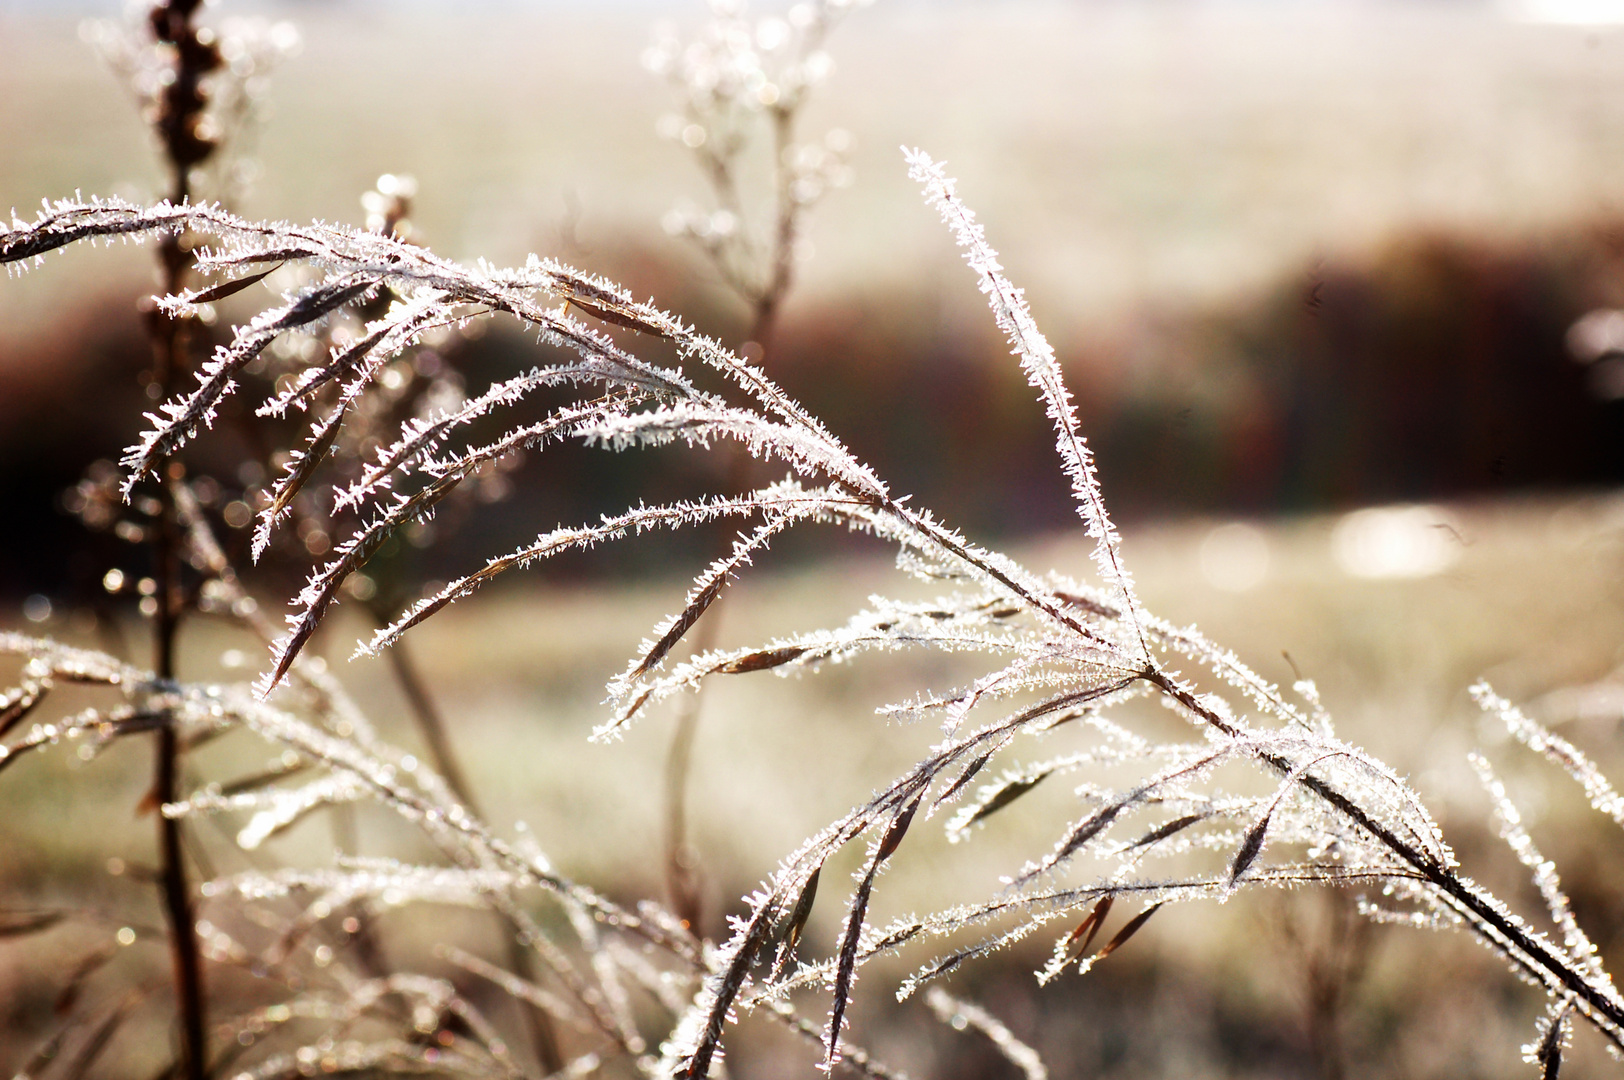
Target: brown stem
{"type": "Point", "coordinates": [786, 228]}
{"type": "Point", "coordinates": [1477, 908]}
{"type": "Point", "coordinates": [682, 875]}
{"type": "Point", "coordinates": [179, 122]}
{"type": "Point", "coordinates": [1332, 975]}
{"type": "Point", "coordinates": [1546, 966]}
{"type": "Point", "coordinates": [182, 919]}
{"type": "Point", "coordinates": [431, 726]}
{"type": "Point", "coordinates": [170, 346]}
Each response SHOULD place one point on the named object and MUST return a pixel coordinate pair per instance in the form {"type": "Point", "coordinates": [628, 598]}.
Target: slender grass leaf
{"type": "Point", "coordinates": [609, 315]}
{"type": "Point", "coordinates": [898, 829]}
{"type": "Point", "coordinates": [1089, 928]}
{"type": "Point", "coordinates": [802, 910]}
{"type": "Point", "coordinates": [1006, 795]}
{"type": "Point", "coordinates": [20, 924]}
{"type": "Point", "coordinates": [19, 703]}
{"type": "Point", "coordinates": [230, 288]}
{"type": "Point", "coordinates": [69, 995]}
{"type": "Point", "coordinates": [300, 470]}
{"type": "Point", "coordinates": [762, 660]}
{"type": "Point", "coordinates": [846, 964]}
{"type": "Point", "coordinates": [1549, 1054]}
{"type": "Point", "coordinates": [1127, 931]}
{"type": "Point", "coordinates": [684, 622]}
{"type": "Point", "coordinates": [263, 779]}
{"type": "Point", "coordinates": [1162, 832]}
{"type": "Point", "coordinates": [964, 777]}
{"type": "Point", "coordinates": [1251, 847]}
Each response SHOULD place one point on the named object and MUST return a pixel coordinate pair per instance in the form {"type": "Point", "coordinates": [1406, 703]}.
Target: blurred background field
{"type": "Point", "coordinates": [1525, 592]}
{"type": "Point", "coordinates": [1293, 256]}
{"type": "Point", "coordinates": [1129, 155]}
{"type": "Point", "coordinates": [1298, 259]}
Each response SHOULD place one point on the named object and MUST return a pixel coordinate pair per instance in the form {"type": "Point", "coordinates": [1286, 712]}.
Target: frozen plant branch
{"type": "Point", "coordinates": [1148, 818]}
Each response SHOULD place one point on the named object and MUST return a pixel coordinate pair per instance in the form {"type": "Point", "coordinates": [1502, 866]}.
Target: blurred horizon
{"type": "Point", "coordinates": [1172, 154]}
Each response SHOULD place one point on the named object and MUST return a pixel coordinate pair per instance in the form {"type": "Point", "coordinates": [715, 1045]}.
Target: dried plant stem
{"type": "Point", "coordinates": [682, 875]}
{"type": "Point", "coordinates": [681, 860]}
{"type": "Point", "coordinates": [431, 726]}
{"type": "Point", "coordinates": [185, 143]}
{"type": "Point", "coordinates": [786, 229]}
{"type": "Point", "coordinates": [1332, 976]}
{"type": "Point", "coordinates": [1533, 955]}
{"type": "Point", "coordinates": [181, 916]}
{"type": "Point", "coordinates": [169, 343]}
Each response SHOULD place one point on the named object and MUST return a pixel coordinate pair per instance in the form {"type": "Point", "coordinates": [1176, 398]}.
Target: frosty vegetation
{"type": "Point", "coordinates": [1082, 656]}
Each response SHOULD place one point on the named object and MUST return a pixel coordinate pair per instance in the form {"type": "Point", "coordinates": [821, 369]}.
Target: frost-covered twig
{"type": "Point", "coordinates": [1066, 656]}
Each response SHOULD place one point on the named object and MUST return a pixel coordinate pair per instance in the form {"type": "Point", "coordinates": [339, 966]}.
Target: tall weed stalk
{"type": "Point", "coordinates": [739, 77]}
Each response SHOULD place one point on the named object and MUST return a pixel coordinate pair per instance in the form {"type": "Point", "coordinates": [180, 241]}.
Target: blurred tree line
{"type": "Point", "coordinates": [1438, 368]}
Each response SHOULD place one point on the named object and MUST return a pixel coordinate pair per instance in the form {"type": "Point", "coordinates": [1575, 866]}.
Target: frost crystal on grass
{"type": "Point", "coordinates": [1143, 821]}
